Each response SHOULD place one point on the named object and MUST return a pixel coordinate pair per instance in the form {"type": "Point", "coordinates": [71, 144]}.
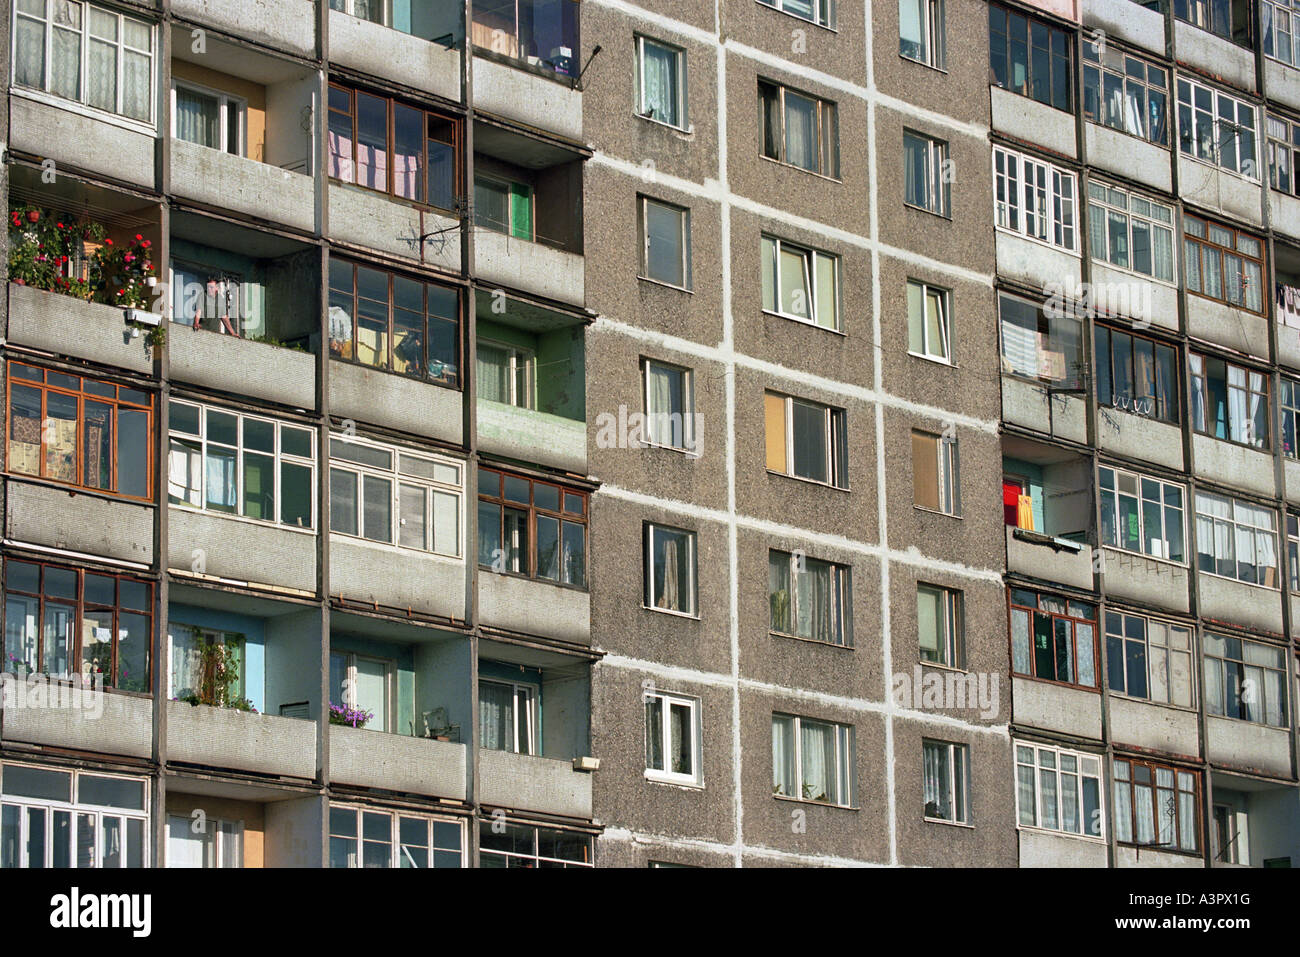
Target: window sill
{"type": "Point", "coordinates": [687, 132]}
{"type": "Point", "coordinates": [1150, 558]}
{"type": "Point", "coordinates": [666, 285]}
{"type": "Point", "coordinates": [961, 824]}
{"type": "Point", "coordinates": [530, 578]}
{"type": "Point", "coordinates": [1224, 302]}
{"type": "Point", "coordinates": [1068, 111]}
{"type": "Point", "coordinates": [946, 217]}
{"type": "Point", "coordinates": [1060, 684]}
{"type": "Point", "coordinates": [242, 519]}
{"type": "Point", "coordinates": [1262, 450]}
{"type": "Point", "coordinates": [399, 200]}
{"type": "Point", "coordinates": [669, 611]}
{"type": "Point", "coordinates": [935, 511]}
{"type": "Point", "coordinates": [935, 359]}
{"type": "Point", "coordinates": [392, 549]}
{"type": "Point", "coordinates": [686, 785]}
{"type": "Point", "coordinates": [808, 481]}
{"type": "Point", "coordinates": [687, 453]}
{"type": "Point", "coordinates": [929, 66]}
{"type": "Point", "coordinates": [954, 669]}
{"type": "Point", "coordinates": [1182, 852]}
{"type": "Point", "coordinates": [1138, 415]}
{"type": "Point", "coordinates": [392, 372]}
{"type": "Point", "coordinates": [1154, 704]}
{"type": "Point", "coordinates": [1138, 276]}
{"type": "Point", "coordinates": [795, 800]}
{"type": "Point", "coordinates": [98, 493]}
{"type": "Point", "coordinates": [1221, 169]}
{"type": "Point", "coordinates": [1228, 578]}
{"type": "Point", "coordinates": [1086, 838]}
{"type": "Point", "coordinates": [810, 172]}
{"type": "Point", "coordinates": [805, 322]}
{"type": "Point", "coordinates": [1073, 253]}
{"type": "Point", "coordinates": [521, 64]}
{"type": "Point", "coordinates": [1132, 136]}
{"type": "Point", "coordinates": [793, 16]}
{"type": "Point", "coordinates": [811, 641]}
{"type": "Point", "coordinates": [1258, 724]}
{"type": "Point", "coordinates": [89, 112]}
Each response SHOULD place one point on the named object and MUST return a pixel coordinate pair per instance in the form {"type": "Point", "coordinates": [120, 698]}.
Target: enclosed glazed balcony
{"type": "Point", "coordinates": [1047, 502]}
{"type": "Point", "coordinates": [412, 42]}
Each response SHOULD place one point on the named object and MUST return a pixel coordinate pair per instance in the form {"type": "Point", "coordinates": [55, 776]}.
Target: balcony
{"type": "Point", "coordinates": [67, 518]}
{"type": "Point", "coordinates": [1231, 464]}
{"type": "Point", "coordinates": [1047, 500]}
{"type": "Point", "coordinates": [528, 57]}
{"type": "Point", "coordinates": [1028, 120]}
{"type": "Point", "coordinates": [412, 406]}
{"type": "Point", "coordinates": [534, 607]}
{"type": "Point", "coordinates": [239, 550]}
{"type": "Point", "coordinates": [396, 578]}
{"type": "Point", "coordinates": [1213, 188]}
{"type": "Point", "coordinates": [1286, 293]}
{"type": "Point", "coordinates": [1226, 599]}
{"type": "Point", "coordinates": [392, 762]}
{"type": "Point", "coordinates": [1215, 55]}
{"type": "Point", "coordinates": [1043, 369]}
{"type": "Point", "coordinates": [1254, 823]}
{"type": "Point", "coordinates": [288, 25]}
{"type": "Point", "coordinates": [1127, 21]}
{"type": "Point", "coordinates": [259, 825]}
{"type": "Point", "coordinates": [1045, 849]}
{"type": "Point", "coordinates": [80, 139]}
{"type": "Point", "coordinates": [1134, 577]}
{"type": "Point", "coordinates": [1248, 746]}
{"type": "Point", "coordinates": [1053, 707]}
{"type": "Point", "coordinates": [1154, 727]}
{"type": "Point", "coordinates": [525, 782]}
{"type": "Point", "coordinates": [1225, 325]}
{"type": "Point", "coordinates": [417, 47]}
{"type": "Point", "coordinates": [240, 321]}
{"type": "Point", "coordinates": [239, 740]}
{"type": "Point", "coordinates": [123, 727]}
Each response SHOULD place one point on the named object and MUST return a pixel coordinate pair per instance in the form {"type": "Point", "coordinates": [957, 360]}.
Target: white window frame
{"type": "Point", "coordinates": [654, 432]}
{"type": "Point", "coordinates": [1164, 646]}
{"type": "Point", "coordinates": [1055, 193]}
{"type": "Point", "coordinates": [812, 260]}
{"type": "Point", "coordinates": [841, 604]}
{"type": "Point", "coordinates": [845, 762]}
{"type": "Point", "coordinates": [1138, 478]}
{"type": "Point", "coordinates": [397, 478]}
{"type": "Point", "coordinates": [120, 45]}
{"type": "Point", "coordinates": [1282, 141]}
{"type": "Point", "coordinates": [518, 359]}
{"type": "Point", "coordinates": [395, 832]}
{"type": "Point", "coordinates": [823, 12]}
{"type": "Point", "coordinates": [951, 628]}
{"type": "Point", "coordinates": [225, 102]}
{"type": "Point", "coordinates": [1110, 60]}
{"type": "Point", "coordinates": [76, 809]}
{"type": "Point", "coordinates": [684, 218]}
{"type": "Point", "coordinates": [1114, 201]}
{"type": "Point", "coordinates": [1258, 690]}
{"type": "Point", "coordinates": [944, 322]}
{"type": "Point", "coordinates": [938, 191]}
{"type": "Point", "coordinates": [214, 836]}
{"type": "Point", "coordinates": [1057, 772]}
{"type": "Point", "coordinates": [350, 685]}
{"type": "Point", "coordinates": [665, 701]}
{"type": "Point", "coordinates": [349, 7]}
{"type": "Point", "coordinates": [1271, 14]}
{"type": "Point", "coordinates": [692, 559]}
{"type": "Point", "coordinates": [679, 69]}
{"type": "Point", "coordinates": [1187, 129]}
{"type": "Point", "coordinates": [957, 785]}
{"type": "Point", "coordinates": [279, 456]}
{"type": "Point", "coordinates": [931, 14]}
{"type": "Point", "coordinates": [836, 424]}
{"type": "Point", "coordinates": [1235, 527]}
{"type": "Point", "coordinates": [524, 698]}
{"type": "Point", "coordinates": [536, 857]}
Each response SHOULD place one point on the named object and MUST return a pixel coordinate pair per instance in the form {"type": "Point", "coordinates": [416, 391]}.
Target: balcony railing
{"type": "Point", "coordinates": [544, 33]}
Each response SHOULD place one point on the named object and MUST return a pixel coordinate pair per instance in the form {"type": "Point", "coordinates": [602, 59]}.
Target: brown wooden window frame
{"type": "Point", "coordinates": [1014, 606]}
{"type": "Point", "coordinates": [81, 395]}
{"type": "Point", "coordinates": [81, 605]}
{"type": "Point", "coordinates": [827, 133]}
{"type": "Point", "coordinates": [1209, 246]}
{"type": "Point", "coordinates": [561, 516]}
{"type": "Point", "coordinates": [390, 105]}
{"type": "Point", "coordinates": [1153, 768]}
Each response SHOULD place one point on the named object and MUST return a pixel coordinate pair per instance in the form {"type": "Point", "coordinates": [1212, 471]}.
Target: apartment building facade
{"type": "Point", "coordinates": [481, 435]}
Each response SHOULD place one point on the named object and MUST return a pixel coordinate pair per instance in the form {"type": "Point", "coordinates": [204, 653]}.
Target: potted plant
{"type": "Point", "coordinates": [218, 670]}
{"type": "Point", "coordinates": [352, 717]}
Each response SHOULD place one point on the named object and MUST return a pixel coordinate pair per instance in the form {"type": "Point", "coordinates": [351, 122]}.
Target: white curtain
{"type": "Point", "coordinates": [659, 399]}
{"type": "Point", "coordinates": [668, 594]}
{"type": "Point", "coordinates": [495, 716]}
{"type": "Point", "coordinates": [198, 118]}
{"type": "Point", "coordinates": [783, 776]}
{"type": "Point", "coordinates": [186, 662]}
{"type": "Point", "coordinates": [800, 131]}
{"type": "Point", "coordinates": [817, 742]}
{"type": "Point", "coordinates": [1142, 800]}
{"type": "Point", "coordinates": [101, 79]}
{"type": "Point", "coordinates": [659, 83]}
{"type": "Point", "coordinates": [184, 847]}
{"type": "Point", "coordinates": [29, 53]}
{"type": "Point", "coordinates": [1123, 811]}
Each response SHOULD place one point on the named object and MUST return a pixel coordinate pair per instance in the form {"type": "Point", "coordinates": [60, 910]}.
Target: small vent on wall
{"type": "Point", "coordinates": [297, 709]}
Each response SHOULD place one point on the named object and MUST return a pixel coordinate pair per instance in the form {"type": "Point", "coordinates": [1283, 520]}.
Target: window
{"type": "Point", "coordinates": [369, 837]}
{"type": "Point", "coordinates": [670, 406]}
{"type": "Point", "coordinates": [86, 53]}
{"type": "Point", "coordinates": [670, 583]}
{"type": "Point", "coordinates": [372, 10]}
{"type": "Point", "coordinates": [1125, 93]}
{"type": "Point", "coordinates": [401, 150]}
{"type": "Point", "coordinates": [514, 511]}
{"type": "Point", "coordinates": [1290, 403]}
{"type": "Point", "coordinates": [508, 716]}
{"type": "Point", "coordinates": [1149, 659]}
{"type": "Point", "coordinates": [1228, 833]}
{"type": "Point", "coordinates": [504, 207]}
{"type": "Point", "coordinates": [1280, 23]}
{"type": "Point", "coordinates": [1229, 19]}
{"type": "Point", "coordinates": [801, 283]}
{"type": "Point", "coordinates": [222, 461]}
{"type": "Point", "coordinates": [1037, 344]}
{"type": "Point", "coordinates": [665, 242]}
{"type": "Point", "coordinates": [1283, 153]}
{"type": "Point", "coordinates": [80, 431]}
{"type": "Point", "coordinates": [506, 374]}
{"type": "Point", "coordinates": [799, 129]}
{"type": "Point", "coordinates": [1229, 401]}
{"type": "Point", "coordinates": [946, 781]}
{"type": "Point", "coordinates": [1058, 790]}
{"type": "Point", "coordinates": [1217, 129]}
{"type": "Point", "coordinates": [205, 842]}
{"type": "Point", "coordinates": [63, 621]}
{"type": "Point", "coordinates": [672, 738]}
{"type": "Point", "coordinates": [926, 174]}
{"type": "Point", "coordinates": [1034, 199]}
{"type": "Point", "coordinates": [517, 845]}
{"type": "Point", "coordinates": [208, 118]}
{"type": "Point", "coordinates": [661, 82]}
{"type": "Point", "coordinates": [940, 625]}
{"type": "Point", "coordinates": [1131, 232]}
{"type": "Point", "coordinates": [1138, 375]}
{"type": "Point", "coordinates": [362, 683]}
{"type": "Point", "coordinates": [821, 12]}
{"type": "Point", "coordinates": [809, 598]}
{"type": "Point", "coordinates": [56, 818]}
{"type": "Point", "coordinates": [921, 32]}
{"type": "Point", "coordinates": [929, 329]}
{"type": "Point", "coordinates": [1245, 680]}
{"type": "Point", "coordinates": [806, 440]}
{"type": "Point", "coordinates": [1141, 514]}
{"type": "Point", "coordinates": [1293, 550]}
{"type": "Point", "coordinates": [389, 321]}
{"type": "Point", "coordinates": [1156, 806]}
{"type": "Point", "coordinates": [189, 676]}
{"type": "Point", "coordinates": [1236, 539]}
{"type": "Point", "coordinates": [935, 482]}
{"type": "Point", "coordinates": [812, 760]}
{"type": "Point", "coordinates": [1029, 57]}
{"type": "Point", "coordinates": [1223, 264]}
{"type": "Point", "coordinates": [1053, 638]}
{"type": "Point", "coordinates": [389, 495]}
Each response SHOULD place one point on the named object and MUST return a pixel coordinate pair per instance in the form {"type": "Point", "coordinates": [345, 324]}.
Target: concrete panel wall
{"type": "Point", "coordinates": [526, 782]}
{"type": "Point", "coordinates": [220, 179]}
{"type": "Point", "coordinates": [534, 608]}
{"type": "Point", "coordinates": [1213, 188]}
{"type": "Point", "coordinates": [1214, 55]}
{"type": "Point", "coordinates": [393, 55]}
{"type": "Point", "coordinates": [226, 738]}
{"type": "Point", "coordinates": [287, 24]}
{"type": "Point", "coordinates": [532, 436]}
{"type": "Point", "coordinates": [79, 522]}
{"type": "Point", "coordinates": [295, 833]}
{"type": "Point", "coordinates": [409, 405]}
{"type": "Point", "coordinates": [1052, 707]}
{"type": "Point", "coordinates": [1284, 209]}
{"type": "Point", "coordinates": [530, 267]}
{"type": "Point", "coordinates": [124, 727]}
{"type": "Point", "coordinates": [293, 643]}
{"type": "Point", "coordinates": [1151, 857]}
{"type": "Point", "coordinates": [527, 98]}
{"type": "Point", "coordinates": [71, 327]}
{"type": "Point", "coordinates": [398, 578]}
{"type": "Point", "coordinates": [1025, 404]}
{"type": "Point", "coordinates": [1237, 329]}
{"type": "Point", "coordinates": [1137, 437]}
{"type": "Point", "coordinates": [1133, 296]}
{"type": "Point", "coordinates": [1242, 744]}
{"type": "Point", "coordinates": [1041, 560]}
{"type": "Point", "coordinates": [395, 762]}
{"type": "Point", "coordinates": [1127, 155]}
{"type": "Point", "coordinates": [81, 141]}
{"type": "Point", "coordinates": [374, 221]}
{"type": "Point", "coordinates": [244, 367]}
{"type": "Point", "coordinates": [1044, 849]}
{"type": "Point", "coordinates": [1035, 263]}
{"type": "Point", "coordinates": [1033, 122]}
{"type": "Point", "coordinates": [242, 551]}
{"type": "Point", "coordinates": [1127, 21]}
{"type": "Point", "coordinates": [1142, 724]}
{"type": "Point", "coordinates": [1233, 465]}
{"type": "Point", "coordinates": [1139, 578]}
{"type": "Point", "coordinates": [1225, 599]}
